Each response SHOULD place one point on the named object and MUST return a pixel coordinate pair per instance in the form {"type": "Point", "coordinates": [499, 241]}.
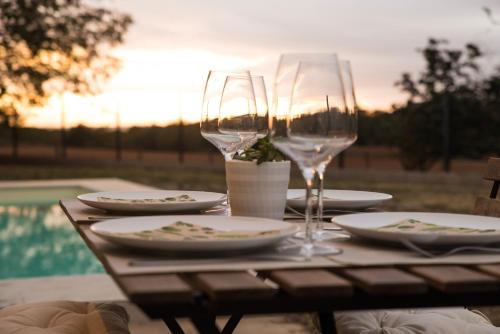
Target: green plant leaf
{"type": "Point", "coordinates": [262, 151]}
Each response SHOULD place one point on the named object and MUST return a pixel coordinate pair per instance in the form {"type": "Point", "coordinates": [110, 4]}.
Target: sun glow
{"type": "Point", "coordinates": [152, 87]}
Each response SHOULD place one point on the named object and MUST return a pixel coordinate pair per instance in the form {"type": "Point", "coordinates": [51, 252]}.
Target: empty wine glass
{"type": "Point", "coordinates": [351, 128]}
{"type": "Point", "coordinates": [262, 105]}
{"type": "Point", "coordinates": [228, 143]}
{"type": "Point", "coordinates": [315, 125]}
{"type": "Point", "coordinates": [230, 118]}
{"type": "Point", "coordinates": [238, 114]}
{"type": "Point", "coordinates": [283, 84]}
{"type": "Point", "coordinates": [350, 97]}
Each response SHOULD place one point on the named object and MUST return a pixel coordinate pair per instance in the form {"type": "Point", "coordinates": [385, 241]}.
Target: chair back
{"type": "Point", "coordinates": [490, 206]}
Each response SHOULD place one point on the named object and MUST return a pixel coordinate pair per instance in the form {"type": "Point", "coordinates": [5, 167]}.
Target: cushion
{"type": "Point", "coordinates": [64, 317]}
{"type": "Point", "coordinates": [428, 321]}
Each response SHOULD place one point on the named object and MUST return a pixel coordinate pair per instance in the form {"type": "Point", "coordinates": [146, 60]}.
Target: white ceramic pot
{"type": "Point", "coordinates": [257, 190]}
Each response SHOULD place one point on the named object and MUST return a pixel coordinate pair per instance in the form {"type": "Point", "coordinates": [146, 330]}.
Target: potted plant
{"type": "Point", "coordinates": [257, 180]}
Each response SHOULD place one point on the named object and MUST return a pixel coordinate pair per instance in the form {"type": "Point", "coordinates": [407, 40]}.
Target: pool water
{"type": "Point", "coordinates": [36, 238]}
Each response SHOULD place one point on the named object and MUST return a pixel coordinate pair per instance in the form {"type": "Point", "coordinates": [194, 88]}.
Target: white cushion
{"type": "Point", "coordinates": [423, 321]}
{"type": "Point", "coordinates": [64, 317]}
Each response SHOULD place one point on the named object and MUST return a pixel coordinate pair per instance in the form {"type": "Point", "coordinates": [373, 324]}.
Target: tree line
{"type": "Point", "coordinates": [377, 128]}
{"type": "Point", "coordinates": [153, 138]}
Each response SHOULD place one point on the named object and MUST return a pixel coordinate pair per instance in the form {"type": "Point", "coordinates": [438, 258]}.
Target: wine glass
{"type": "Point", "coordinates": [238, 112]}
{"type": "Point", "coordinates": [283, 84]}
{"type": "Point", "coordinates": [228, 142]}
{"type": "Point", "coordinates": [352, 127]}
{"type": "Point", "coordinates": [230, 119]}
{"type": "Point", "coordinates": [262, 105]}
{"type": "Point", "coordinates": [315, 126]}
{"type": "Point", "coordinates": [350, 97]}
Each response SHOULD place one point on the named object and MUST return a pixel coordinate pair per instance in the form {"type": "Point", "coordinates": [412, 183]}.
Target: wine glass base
{"type": "Point", "coordinates": [308, 251]}
{"type": "Point", "coordinates": [329, 235]}
{"type": "Point", "coordinates": [322, 250]}
{"type": "Point", "coordinates": [322, 235]}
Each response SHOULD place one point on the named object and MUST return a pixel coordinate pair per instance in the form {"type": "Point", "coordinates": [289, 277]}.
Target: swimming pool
{"type": "Point", "coordinates": [36, 238]}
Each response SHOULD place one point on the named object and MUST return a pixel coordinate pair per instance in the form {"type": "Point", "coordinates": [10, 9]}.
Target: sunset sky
{"type": "Point", "coordinates": [172, 45]}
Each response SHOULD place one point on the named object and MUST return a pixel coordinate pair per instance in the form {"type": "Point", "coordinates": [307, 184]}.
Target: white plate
{"type": "Point", "coordinates": [339, 199]}
{"type": "Point", "coordinates": [366, 224]}
{"type": "Point", "coordinates": [106, 229]}
{"type": "Point", "coordinates": [204, 200]}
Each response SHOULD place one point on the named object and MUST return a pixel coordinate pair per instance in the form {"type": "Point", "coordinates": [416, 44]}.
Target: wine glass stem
{"type": "Point", "coordinates": [319, 224]}
{"type": "Point", "coordinates": [228, 157]}
{"type": "Point", "coordinates": [308, 246]}
{"type": "Point", "coordinates": [228, 205]}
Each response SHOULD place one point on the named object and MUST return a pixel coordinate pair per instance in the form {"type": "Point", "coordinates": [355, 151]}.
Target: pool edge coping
{"type": "Point", "coordinates": [93, 184]}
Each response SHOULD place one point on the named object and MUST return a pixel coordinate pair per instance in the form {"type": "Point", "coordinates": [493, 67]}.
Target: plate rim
{"type": "Point", "coordinates": [81, 196]}
{"type": "Point", "coordinates": [387, 196]}
{"type": "Point", "coordinates": [292, 230]}
{"type": "Point", "coordinates": [152, 207]}
{"type": "Point", "coordinates": [403, 235]}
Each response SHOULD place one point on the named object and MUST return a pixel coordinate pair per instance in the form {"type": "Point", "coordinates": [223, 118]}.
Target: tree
{"type": "Point", "coordinates": [376, 128]}
{"type": "Point", "coordinates": [53, 46]}
{"type": "Point", "coordinates": [438, 101]}
{"type": "Point", "coordinates": [446, 70]}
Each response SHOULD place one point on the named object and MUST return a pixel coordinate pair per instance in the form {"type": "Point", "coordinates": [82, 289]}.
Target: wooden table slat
{"type": "Point", "coordinates": [487, 207]}
{"type": "Point", "coordinates": [491, 269]}
{"type": "Point", "coordinates": [493, 169]}
{"type": "Point", "coordinates": [452, 278]}
{"type": "Point", "coordinates": [231, 285]}
{"type": "Point", "coordinates": [386, 281]}
{"type": "Point", "coordinates": [312, 282]}
{"type": "Point", "coordinates": [160, 287]}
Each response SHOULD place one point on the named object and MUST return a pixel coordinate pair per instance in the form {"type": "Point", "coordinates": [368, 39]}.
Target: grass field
{"type": "Point", "coordinates": [411, 191]}
{"type": "Point", "coordinates": [359, 157]}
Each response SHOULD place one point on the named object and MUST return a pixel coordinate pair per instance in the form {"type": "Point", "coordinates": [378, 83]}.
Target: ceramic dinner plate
{"type": "Point", "coordinates": [201, 200]}
{"type": "Point", "coordinates": [339, 199]}
{"type": "Point", "coordinates": [439, 229]}
{"type": "Point", "coordinates": [194, 233]}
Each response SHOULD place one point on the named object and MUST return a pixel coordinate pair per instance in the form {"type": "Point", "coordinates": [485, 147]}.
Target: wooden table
{"type": "Point", "coordinates": [202, 296]}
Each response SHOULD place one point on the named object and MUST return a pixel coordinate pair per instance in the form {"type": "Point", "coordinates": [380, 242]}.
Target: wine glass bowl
{"type": "Point", "coordinates": [237, 111]}
{"type": "Point", "coordinates": [239, 114]}
{"type": "Point", "coordinates": [262, 105]}
{"type": "Point", "coordinates": [350, 97]}
{"type": "Point", "coordinates": [227, 142]}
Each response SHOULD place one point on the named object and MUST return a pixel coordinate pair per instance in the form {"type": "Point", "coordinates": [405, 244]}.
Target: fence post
{"type": "Point", "coordinates": [118, 138]}
{"type": "Point", "coordinates": [63, 128]}
{"type": "Point", "coordinates": [180, 141]}
{"type": "Point", "coordinates": [341, 160]}
{"type": "Point", "coordinates": [446, 134]}
{"type": "Point", "coordinates": [63, 143]}
{"type": "Point", "coordinates": [15, 137]}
